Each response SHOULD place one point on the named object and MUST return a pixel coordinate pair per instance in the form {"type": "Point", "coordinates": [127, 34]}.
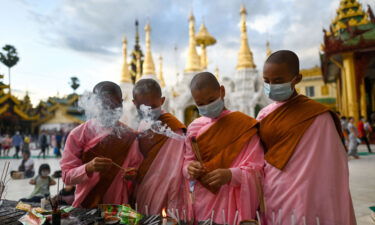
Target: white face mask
{"type": "Point", "coordinates": [44, 173]}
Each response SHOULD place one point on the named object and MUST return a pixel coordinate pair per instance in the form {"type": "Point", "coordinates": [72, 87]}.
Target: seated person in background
{"type": "Point", "coordinates": [42, 183]}
{"type": "Point", "coordinates": [26, 169]}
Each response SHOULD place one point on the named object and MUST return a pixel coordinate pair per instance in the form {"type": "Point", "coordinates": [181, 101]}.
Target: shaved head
{"type": "Point", "coordinates": [287, 57]}
{"type": "Point", "coordinates": [147, 87]}
{"type": "Point", "coordinates": [204, 80]}
{"type": "Point", "coordinates": [107, 88]}
{"type": "Point", "coordinates": [109, 93]}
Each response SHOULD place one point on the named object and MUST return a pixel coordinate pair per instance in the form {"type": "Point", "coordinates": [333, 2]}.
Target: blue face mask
{"type": "Point", "coordinates": [278, 92]}
{"type": "Point", "coordinates": [213, 109]}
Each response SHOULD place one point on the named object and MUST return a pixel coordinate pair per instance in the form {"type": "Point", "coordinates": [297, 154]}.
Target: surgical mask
{"type": "Point", "coordinates": [44, 173]}
{"type": "Point", "coordinates": [213, 109]}
{"type": "Point", "coordinates": [278, 92]}
{"type": "Point", "coordinates": [151, 113]}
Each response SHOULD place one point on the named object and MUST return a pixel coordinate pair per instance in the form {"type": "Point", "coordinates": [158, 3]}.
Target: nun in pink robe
{"type": "Point", "coordinates": [81, 139]}
{"type": "Point", "coordinates": [240, 194]}
{"type": "Point", "coordinates": [314, 185]}
{"type": "Point", "coordinates": [163, 184]}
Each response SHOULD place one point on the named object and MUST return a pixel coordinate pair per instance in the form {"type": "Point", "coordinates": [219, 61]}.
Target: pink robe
{"type": "Point", "coordinates": [81, 139]}
{"type": "Point", "coordinates": [240, 193]}
{"type": "Point", "coordinates": [314, 183]}
{"type": "Point", "coordinates": [163, 183]}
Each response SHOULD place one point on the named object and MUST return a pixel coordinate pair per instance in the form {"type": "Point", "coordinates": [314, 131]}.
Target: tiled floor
{"type": "Point", "coordinates": [362, 183]}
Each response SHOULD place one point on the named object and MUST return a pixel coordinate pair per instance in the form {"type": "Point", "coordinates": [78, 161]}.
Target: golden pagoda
{"type": "Point", "coordinates": [347, 56]}
{"type": "Point", "coordinates": [245, 56]}
{"type": "Point", "coordinates": [193, 60]}
{"type": "Point", "coordinates": [148, 64]}
{"type": "Point", "coordinates": [160, 74]}
{"type": "Point", "coordinates": [125, 73]}
{"type": "Point", "coordinates": [204, 39]}
{"type": "Point", "coordinates": [136, 57]}
{"type": "Point", "coordinates": [268, 49]}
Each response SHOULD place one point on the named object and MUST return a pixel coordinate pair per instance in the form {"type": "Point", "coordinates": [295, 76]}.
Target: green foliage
{"type": "Point", "coordinates": [9, 58]}
{"type": "Point", "coordinates": [74, 83]}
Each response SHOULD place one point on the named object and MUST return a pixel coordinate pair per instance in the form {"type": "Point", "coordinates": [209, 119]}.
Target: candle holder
{"type": "Point", "coordinates": [56, 217]}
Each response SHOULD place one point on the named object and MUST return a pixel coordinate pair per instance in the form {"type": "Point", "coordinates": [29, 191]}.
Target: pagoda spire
{"type": "Point", "coordinates": [125, 73]}
{"type": "Point", "coordinates": [245, 56]}
{"type": "Point", "coordinates": [193, 60]}
{"type": "Point", "coordinates": [148, 64]}
{"type": "Point", "coordinates": [136, 57]}
{"type": "Point", "coordinates": [268, 49]}
{"type": "Point", "coordinates": [160, 74]}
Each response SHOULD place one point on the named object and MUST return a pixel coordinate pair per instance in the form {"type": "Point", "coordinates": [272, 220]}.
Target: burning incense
{"type": "Point", "coordinates": [113, 163]}
{"type": "Point", "coordinates": [258, 217]}
{"type": "Point", "coordinates": [235, 218]}
{"type": "Point", "coordinates": [212, 216]}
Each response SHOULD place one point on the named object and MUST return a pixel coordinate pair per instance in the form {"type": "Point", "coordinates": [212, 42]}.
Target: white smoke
{"type": "Point", "coordinates": [102, 116]}
{"type": "Point", "coordinates": [147, 122]}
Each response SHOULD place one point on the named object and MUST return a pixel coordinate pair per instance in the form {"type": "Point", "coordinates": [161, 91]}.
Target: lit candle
{"type": "Point", "coordinates": [164, 214]}
{"type": "Point", "coordinates": [258, 217]}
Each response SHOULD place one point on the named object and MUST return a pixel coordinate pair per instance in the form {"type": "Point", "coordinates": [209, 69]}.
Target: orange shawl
{"type": "Point", "coordinates": [282, 129]}
{"type": "Point", "coordinates": [115, 148]}
{"type": "Point", "coordinates": [220, 145]}
{"type": "Point", "coordinates": [151, 143]}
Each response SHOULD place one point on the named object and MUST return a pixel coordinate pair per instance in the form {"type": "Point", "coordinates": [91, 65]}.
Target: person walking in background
{"type": "Point", "coordinates": [7, 144]}
{"type": "Point", "coordinates": [17, 141]}
{"type": "Point", "coordinates": [43, 144]}
{"type": "Point", "coordinates": [344, 128]}
{"type": "Point", "coordinates": [353, 139]}
{"type": "Point", "coordinates": [58, 140]}
{"type": "Point", "coordinates": [368, 130]}
{"type": "Point", "coordinates": [362, 134]}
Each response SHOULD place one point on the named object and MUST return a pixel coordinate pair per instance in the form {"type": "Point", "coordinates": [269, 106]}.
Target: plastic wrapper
{"type": "Point", "coordinates": [32, 219]}
{"type": "Point", "coordinates": [120, 213]}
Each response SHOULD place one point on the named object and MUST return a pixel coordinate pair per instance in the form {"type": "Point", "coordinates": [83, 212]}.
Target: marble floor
{"type": "Point", "coordinates": [362, 183]}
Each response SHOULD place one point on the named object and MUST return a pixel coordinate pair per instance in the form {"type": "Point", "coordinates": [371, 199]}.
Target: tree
{"type": "Point", "coordinates": [9, 58]}
{"type": "Point", "coordinates": [74, 83]}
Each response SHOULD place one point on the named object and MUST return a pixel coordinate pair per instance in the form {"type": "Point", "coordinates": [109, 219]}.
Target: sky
{"type": "Point", "coordinates": [58, 39]}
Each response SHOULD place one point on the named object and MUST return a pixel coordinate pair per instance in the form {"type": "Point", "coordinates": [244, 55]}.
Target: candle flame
{"type": "Point", "coordinates": [164, 213]}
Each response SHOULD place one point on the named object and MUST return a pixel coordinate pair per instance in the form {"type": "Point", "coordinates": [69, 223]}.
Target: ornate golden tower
{"type": "Point", "coordinates": [125, 73]}
{"type": "Point", "coordinates": [245, 56]}
{"type": "Point", "coordinates": [160, 74]}
{"type": "Point", "coordinates": [136, 57]}
{"type": "Point", "coordinates": [204, 39]}
{"type": "Point", "coordinates": [268, 49]}
{"type": "Point", "coordinates": [193, 61]}
{"type": "Point", "coordinates": [148, 64]}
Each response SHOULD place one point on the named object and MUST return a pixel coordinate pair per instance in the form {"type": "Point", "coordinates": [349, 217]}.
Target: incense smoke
{"type": "Point", "coordinates": [148, 122]}
{"type": "Point", "coordinates": [102, 116]}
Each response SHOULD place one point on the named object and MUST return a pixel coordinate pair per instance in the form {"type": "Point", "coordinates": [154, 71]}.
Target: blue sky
{"type": "Point", "coordinates": [57, 39]}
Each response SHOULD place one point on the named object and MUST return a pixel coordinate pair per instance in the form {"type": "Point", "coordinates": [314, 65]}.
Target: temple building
{"type": "Point", "coordinates": [313, 86]}
{"type": "Point", "coordinates": [348, 58]}
{"type": "Point", "coordinates": [54, 114]}
{"type": "Point", "coordinates": [244, 89]}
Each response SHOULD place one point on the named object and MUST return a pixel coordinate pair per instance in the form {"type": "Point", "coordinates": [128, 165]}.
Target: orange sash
{"type": "Point", "coordinates": [220, 145]}
{"type": "Point", "coordinates": [282, 129]}
{"type": "Point", "coordinates": [111, 147]}
{"type": "Point", "coordinates": [151, 143]}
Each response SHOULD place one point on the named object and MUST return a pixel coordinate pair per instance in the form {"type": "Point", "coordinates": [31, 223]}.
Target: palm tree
{"type": "Point", "coordinates": [74, 83]}
{"type": "Point", "coordinates": [9, 59]}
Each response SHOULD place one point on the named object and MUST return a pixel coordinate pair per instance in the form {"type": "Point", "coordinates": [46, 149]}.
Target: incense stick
{"type": "Point", "coordinates": [304, 220]}
{"type": "Point", "coordinates": [184, 212]}
{"type": "Point", "coordinates": [212, 216]}
{"type": "Point", "coordinates": [317, 221]}
{"type": "Point", "coordinates": [146, 207]}
{"type": "Point", "coordinates": [178, 216]}
{"type": "Point", "coordinates": [235, 218]}
{"type": "Point", "coordinates": [258, 217]}
{"type": "Point", "coordinates": [279, 220]}
{"type": "Point", "coordinates": [136, 207]}
{"type": "Point", "coordinates": [197, 153]}
{"type": "Point", "coordinates": [273, 218]}
{"type": "Point", "coordinates": [113, 163]}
